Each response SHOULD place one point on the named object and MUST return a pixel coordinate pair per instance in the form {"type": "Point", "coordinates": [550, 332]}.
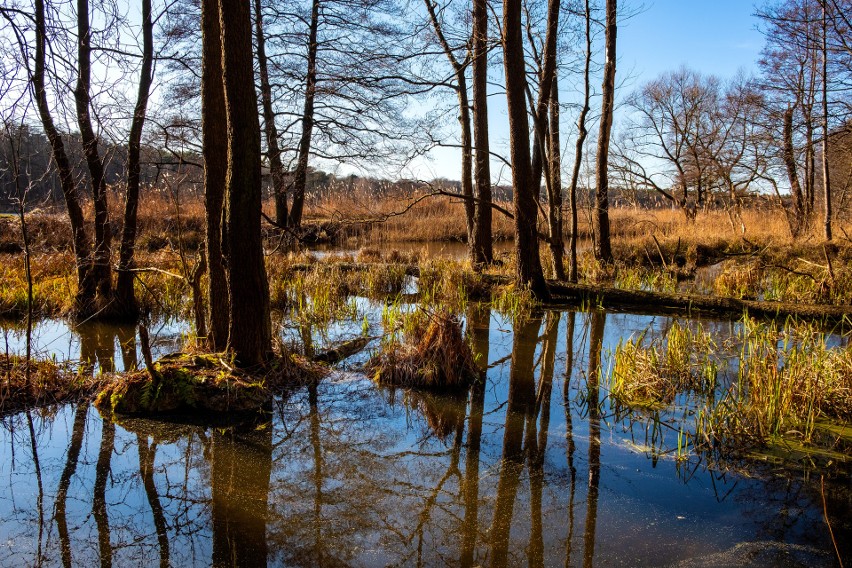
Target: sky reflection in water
{"type": "Point", "coordinates": [531, 468]}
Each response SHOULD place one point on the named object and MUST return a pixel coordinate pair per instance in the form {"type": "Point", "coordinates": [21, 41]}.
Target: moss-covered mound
{"type": "Point", "coordinates": [192, 382]}
{"type": "Point", "coordinates": [435, 356]}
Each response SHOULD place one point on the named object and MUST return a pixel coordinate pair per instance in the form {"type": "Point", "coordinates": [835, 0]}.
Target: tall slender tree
{"type": "Point", "coordinates": [273, 149]}
{"type": "Point", "coordinates": [301, 174]}
{"type": "Point", "coordinates": [124, 285]}
{"type": "Point", "coordinates": [826, 132]}
{"type": "Point", "coordinates": [481, 244]}
{"type": "Point", "coordinates": [603, 247]}
{"type": "Point", "coordinates": [582, 132]}
{"type": "Point", "coordinates": [101, 271]}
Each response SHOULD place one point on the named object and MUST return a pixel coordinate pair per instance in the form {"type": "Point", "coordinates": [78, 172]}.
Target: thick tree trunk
{"type": "Point", "coordinates": [481, 247]}
{"type": "Point", "coordinates": [124, 285]}
{"type": "Point", "coordinates": [82, 250]}
{"type": "Point", "coordinates": [578, 151]}
{"type": "Point", "coordinates": [273, 151]}
{"type": "Point", "coordinates": [603, 247]}
{"type": "Point", "coordinates": [101, 273]}
{"type": "Point", "coordinates": [215, 149]}
{"type": "Point", "coordinates": [554, 189]}
{"type": "Point", "coordinates": [524, 192]}
{"type": "Point", "coordinates": [301, 175]}
{"type": "Point", "coordinates": [249, 327]}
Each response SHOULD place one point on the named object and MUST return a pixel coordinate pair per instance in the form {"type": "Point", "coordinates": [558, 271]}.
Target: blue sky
{"type": "Point", "coordinates": [714, 37]}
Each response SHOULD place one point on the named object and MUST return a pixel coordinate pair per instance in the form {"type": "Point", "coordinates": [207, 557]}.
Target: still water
{"type": "Point", "coordinates": [531, 468]}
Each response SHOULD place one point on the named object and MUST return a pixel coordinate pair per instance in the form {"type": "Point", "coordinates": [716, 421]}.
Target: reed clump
{"type": "Point", "coordinates": [514, 300]}
{"type": "Point", "coordinates": [789, 381]}
{"type": "Point", "coordinates": [651, 375]}
{"type": "Point", "coordinates": [432, 354]}
{"type": "Point", "coordinates": [450, 284]}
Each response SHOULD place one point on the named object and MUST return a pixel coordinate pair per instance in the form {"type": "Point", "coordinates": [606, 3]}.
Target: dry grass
{"type": "Point", "coordinates": [435, 357]}
{"type": "Point", "coordinates": [41, 383]}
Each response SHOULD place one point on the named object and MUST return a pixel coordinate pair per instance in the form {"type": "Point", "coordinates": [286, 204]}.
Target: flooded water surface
{"type": "Point", "coordinates": [534, 467]}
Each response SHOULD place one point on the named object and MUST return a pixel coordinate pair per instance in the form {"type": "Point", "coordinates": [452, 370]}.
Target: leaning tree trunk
{"type": "Point", "coordinates": [603, 248]}
{"type": "Point", "coordinates": [124, 285]}
{"type": "Point", "coordinates": [82, 250]}
{"type": "Point", "coordinates": [301, 175]}
{"type": "Point", "coordinates": [548, 76]}
{"type": "Point", "coordinates": [481, 247]}
{"type": "Point", "coordinates": [215, 149]}
{"type": "Point", "coordinates": [464, 123]}
{"type": "Point", "coordinates": [529, 272]}
{"type": "Point", "coordinates": [279, 187]}
{"type": "Point", "coordinates": [249, 327]}
{"type": "Point", "coordinates": [101, 273]}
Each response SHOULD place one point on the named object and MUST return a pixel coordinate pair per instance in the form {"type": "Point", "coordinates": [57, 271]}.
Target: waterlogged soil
{"type": "Point", "coordinates": [533, 467]}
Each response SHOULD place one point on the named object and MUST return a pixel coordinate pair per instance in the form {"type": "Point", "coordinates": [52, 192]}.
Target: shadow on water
{"type": "Point", "coordinates": [340, 473]}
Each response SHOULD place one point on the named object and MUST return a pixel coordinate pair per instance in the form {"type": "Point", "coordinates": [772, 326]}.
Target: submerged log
{"type": "Point", "coordinates": [565, 294]}
{"type": "Point", "coordinates": [343, 350]}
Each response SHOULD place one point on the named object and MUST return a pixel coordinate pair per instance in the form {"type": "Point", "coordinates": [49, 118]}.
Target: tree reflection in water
{"type": "Point", "coordinates": [339, 477]}
{"type": "Point", "coordinates": [521, 403]}
{"type": "Point", "coordinates": [596, 333]}
{"type": "Point", "coordinates": [240, 469]}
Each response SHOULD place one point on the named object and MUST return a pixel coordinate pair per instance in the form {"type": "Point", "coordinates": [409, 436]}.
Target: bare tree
{"type": "Point", "coordinates": [669, 147]}
{"type": "Point", "coordinates": [124, 285]}
{"type": "Point", "coordinates": [582, 132]}
{"type": "Point", "coordinates": [481, 238]}
{"type": "Point", "coordinates": [101, 272]}
{"type": "Point", "coordinates": [603, 248]}
{"type": "Point", "coordinates": [273, 150]}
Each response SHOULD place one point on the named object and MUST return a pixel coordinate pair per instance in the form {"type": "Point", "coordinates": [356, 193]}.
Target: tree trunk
{"type": "Point", "coordinates": [124, 285]}
{"type": "Point", "coordinates": [529, 272]}
{"type": "Point", "coordinates": [481, 247]}
{"type": "Point", "coordinates": [548, 76]}
{"type": "Point", "coordinates": [603, 247]}
{"type": "Point", "coordinates": [582, 132]}
{"type": "Point", "coordinates": [279, 187]}
{"type": "Point", "coordinates": [215, 149]}
{"type": "Point", "coordinates": [301, 175]}
{"type": "Point", "coordinates": [826, 182]}
{"type": "Point", "coordinates": [249, 327]}
{"type": "Point", "coordinates": [789, 157]}
{"type": "Point", "coordinates": [464, 123]}
{"type": "Point", "coordinates": [82, 250]}
{"type": "Point", "coordinates": [101, 273]}
{"type": "Point", "coordinates": [554, 190]}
